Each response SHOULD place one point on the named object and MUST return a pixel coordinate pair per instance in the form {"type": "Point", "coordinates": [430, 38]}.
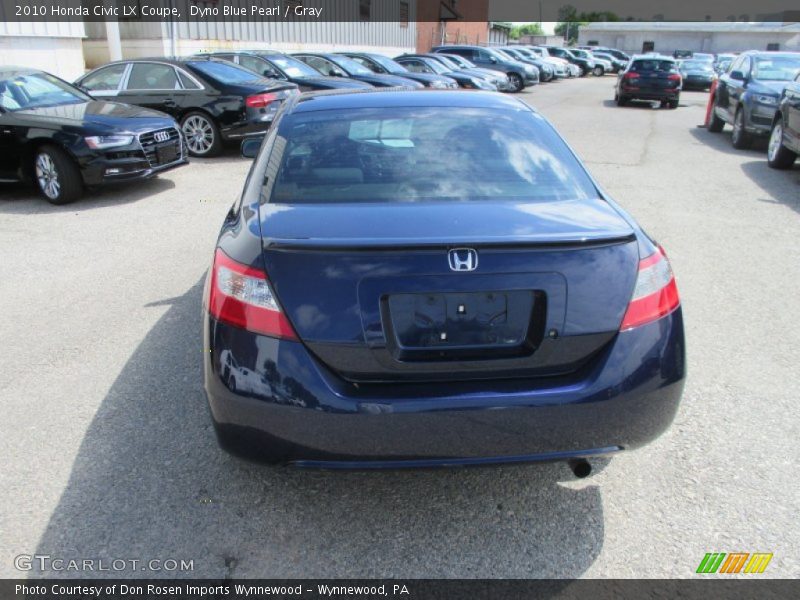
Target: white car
{"type": "Point", "coordinates": [560, 66]}
{"type": "Point", "coordinates": [239, 378]}
{"type": "Point", "coordinates": [605, 63]}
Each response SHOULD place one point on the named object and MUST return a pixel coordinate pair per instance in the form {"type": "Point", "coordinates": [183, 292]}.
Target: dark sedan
{"type": "Point", "coordinates": [748, 94]}
{"type": "Point", "coordinates": [784, 140]}
{"type": "Point", "coordinates": [420, 63]}
{"type": "Point", "coordinates": [434, 279]}
{"type": "Point", "coordinates": [458, 63]}
{"type": "Point", "coordinates": [377, 63]}
{"type": "Point", "coordinates": [282, 67]}
{"type": "Point", "coordinates": [58, 137]}
{"type": "Point", "coordinates": [520, 75]}
{"type": "Point", "coordinates": [341, 66]}
{"type": "Point", "coordinates": [697, 74]}
{"type": "Point", "coordinates": [212, 99]}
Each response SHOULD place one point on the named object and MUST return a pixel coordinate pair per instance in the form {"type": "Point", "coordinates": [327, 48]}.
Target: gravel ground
{"type": "Point", "coordinates": [107, 446]}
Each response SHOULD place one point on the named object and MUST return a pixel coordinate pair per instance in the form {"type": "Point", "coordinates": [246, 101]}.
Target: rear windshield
{"type": "Point", "coordinates": [697, 65]}
{"type": "Point", "coordinates": [422, 154]}
{"type": "Point", "coordinates": [652, 65]}
{"type": "Point", "coordinates": [224, 72]}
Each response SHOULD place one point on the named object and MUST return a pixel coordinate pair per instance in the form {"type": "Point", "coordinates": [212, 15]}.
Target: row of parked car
{"type": "Point", "coordinates": [757, 94]}
{"type": "Point", "coordinates": [132, 119]}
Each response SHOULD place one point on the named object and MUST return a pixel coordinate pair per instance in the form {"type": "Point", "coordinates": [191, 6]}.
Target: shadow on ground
{"type": "Point", "coordinates": [149, 482]}
{"type": "Point", "coordinates": [782, 187]}
{"type": "Point", "coordinates": [18, 198]}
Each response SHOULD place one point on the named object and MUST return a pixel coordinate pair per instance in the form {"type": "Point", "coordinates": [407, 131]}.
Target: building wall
{"type": "Point", "coordinates": [52, 47]}
{"type": "Point", "coordinates": [382, 33]}
{"type": "Point", "coordinates": [696, 41]}
{"type": "Point", "coordinates": [541, 40]}
{"type": "Point", "coordinates": [96, 51]}
{"type": "Point", "coordinates": [471, 28]}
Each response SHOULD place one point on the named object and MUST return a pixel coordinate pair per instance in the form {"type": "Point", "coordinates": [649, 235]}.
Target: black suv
{"type": "Point", "coordinates": [650, 78]}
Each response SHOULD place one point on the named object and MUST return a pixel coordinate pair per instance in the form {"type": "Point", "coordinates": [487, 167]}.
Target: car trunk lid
{"type": "Point", "coordinates": [393, 292]}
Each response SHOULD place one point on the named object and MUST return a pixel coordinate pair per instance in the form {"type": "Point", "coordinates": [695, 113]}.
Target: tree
{"type": "Point", "coordinates": [570, 20]}
{"type": "Point", "coordinates": [527, 29]}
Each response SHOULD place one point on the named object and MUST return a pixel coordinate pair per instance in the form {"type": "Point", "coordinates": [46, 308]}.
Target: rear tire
{"type": "Point", "coordinates": [599, 71]}
{"type": "Point", "coordinates": [517, 84]}
{"type": "Point", "coordinates": [778, 155]}
{"type": "Point", "coordinates": [740, 139]}
{"type": "Point", "coordinates": [56, 175]}
{"type": "Point", "coordinates": [621, 100]}
{"type": "Point", "coordinates": [673, 104]}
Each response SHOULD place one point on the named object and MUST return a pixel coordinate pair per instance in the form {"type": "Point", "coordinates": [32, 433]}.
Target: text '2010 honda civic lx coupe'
{"type": "Point", "coordinates": [432, 278]}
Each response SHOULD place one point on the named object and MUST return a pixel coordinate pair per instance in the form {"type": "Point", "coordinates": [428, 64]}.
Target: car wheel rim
{"type": "Point", "coordinates": [775, 141]}
{"type": "Point", "coordinates": [47, 176]}
{"type": "Point", "coordinates": [199, 134]}
{"type": "Point", "coordinates": [737, 126]}
{"type": "Point", "coordinates": [516, 82]}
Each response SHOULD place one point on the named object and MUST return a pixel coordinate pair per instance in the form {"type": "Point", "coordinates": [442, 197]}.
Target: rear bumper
{"type": "Point", "coordinates": [640, 94]}
{"type": "Point", "coordinates": [297, 411]}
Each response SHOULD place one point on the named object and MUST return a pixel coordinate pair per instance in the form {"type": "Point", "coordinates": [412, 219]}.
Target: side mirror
{"type": "Point", "coordinates": [738, 75]}
{"type": "Point", "coordinates": [251, 146]}
{"type": "Point", "coordinates": [492, 59]}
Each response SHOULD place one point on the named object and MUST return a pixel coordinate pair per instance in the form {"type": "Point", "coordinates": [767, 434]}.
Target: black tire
{"type": "Point", "coordinates": [621, 100]}
{"type": "Point", "coordinates": [778, 155]}
{"type": "Point", "coordinates": [56, 175]}
{"type": "Point", "coordinates": [202, 135]}
{"type": "Point", "coordinates": [517, 83]}
{"type": "Point", "coordinates": [673, 104]}
{"type": "Point", "coordinates": [740, 139]}
{"type": "Point", "coordinates": [599, 71]}
{"type": "Point", "coordinates": [232, 383]}
{"type": "Point", "coordinates": [716, 124]}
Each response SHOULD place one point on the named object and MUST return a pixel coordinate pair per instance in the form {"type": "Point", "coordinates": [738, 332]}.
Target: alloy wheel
{"type": "Point", "coordinates": [775, 140]}
{"type": "Point", "coordinates": [516, 82]}
{"type": "Point", "coordinates": [199, 134]}
{"type": "Point", "coordinates": [47, 176]}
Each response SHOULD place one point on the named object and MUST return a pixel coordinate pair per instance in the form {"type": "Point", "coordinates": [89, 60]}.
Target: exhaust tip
{"type": "Point", "coordinates": [580, 467]}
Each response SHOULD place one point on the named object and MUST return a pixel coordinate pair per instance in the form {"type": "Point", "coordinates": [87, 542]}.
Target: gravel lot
{"type": "Point", "coordinates": [108, 450]}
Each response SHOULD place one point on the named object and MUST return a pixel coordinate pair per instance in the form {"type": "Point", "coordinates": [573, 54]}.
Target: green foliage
{"type": "Point", "coordinates": [570, 19]}
{"type": "Point", "coordinates": [527, 29]}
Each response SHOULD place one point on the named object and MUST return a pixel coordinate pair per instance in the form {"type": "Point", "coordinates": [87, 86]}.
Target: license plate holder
{"type": "Point", "coordinates": [461, 320]}
{"type": "Point", "coordinates": [166, 154]}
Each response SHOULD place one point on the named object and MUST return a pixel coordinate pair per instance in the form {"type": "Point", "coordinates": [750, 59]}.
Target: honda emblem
{"type": "Point", "coordinates": [462, 259]}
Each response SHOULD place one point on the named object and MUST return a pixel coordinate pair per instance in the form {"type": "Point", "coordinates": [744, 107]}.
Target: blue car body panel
{"type": "Point", "coordinates": [344, 395]}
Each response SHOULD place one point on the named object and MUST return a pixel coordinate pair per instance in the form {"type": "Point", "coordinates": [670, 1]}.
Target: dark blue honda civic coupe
{"type": "Point", "coordinates": [416, 279]}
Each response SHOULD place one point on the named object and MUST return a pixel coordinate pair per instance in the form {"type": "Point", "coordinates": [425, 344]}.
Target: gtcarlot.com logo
{"type": "Point", "coordinates": [734, 562]}
{"type": "Point", "coordinates": [45, 562]}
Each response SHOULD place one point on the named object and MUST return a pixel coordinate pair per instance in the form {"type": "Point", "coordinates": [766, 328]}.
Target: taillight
{"type": "Point", "coordinates": [241, 296]}
{"type": "Point", "coordinates": [674, 77]}
{"type": "Point", "coordinates": [630, 75]}
{"type": "Point", "coordinates": [260, 100]}
{"type": "Point", "coordinates": [655, 294]}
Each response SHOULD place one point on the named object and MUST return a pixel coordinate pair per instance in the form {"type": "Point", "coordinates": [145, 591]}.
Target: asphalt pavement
{"type": "Point", "coordinates": [108, 452]}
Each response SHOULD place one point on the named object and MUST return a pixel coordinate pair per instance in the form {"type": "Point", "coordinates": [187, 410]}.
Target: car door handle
{"type": "Point", "coordinates": [170, 103]}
